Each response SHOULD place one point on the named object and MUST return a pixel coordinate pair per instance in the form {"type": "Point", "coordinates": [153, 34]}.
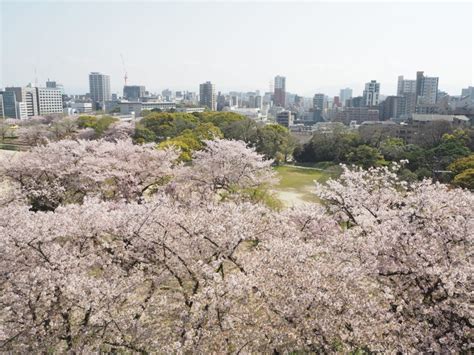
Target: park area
{"type": "Point", "coordinates": [296, 185]}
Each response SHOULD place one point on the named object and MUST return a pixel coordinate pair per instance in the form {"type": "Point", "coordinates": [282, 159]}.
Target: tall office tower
{"type": "Point", "coordinates": [318, 101]}
{"type": "Point", "coordinates": [407, 89]}
{"type": "Point", "coordinates": [279, 95]}
{"type": "Point", "coordinates": [11, 107]}
{"type": "Point", "coordinates": [50, 101]}
{"type": "Point", "coordinates": [419, 83]}
{"type": "Point", "coordinates": [99, 85]}
{"type": "Point", "coordinates": [426, 89]}
{"type": "Point", "coordinates": [9, 104]}
{"type": "Point", "coordinates": [27, 95]}
{"type": "Point", "coordinates": [344, 95]}
{"type": "Point", "coordinates": [405, 86]}
{"type": "Point", "coordinates": [207, 95]}
{"type": "Point", "coordinates": [133, 92]}
{"type": "Point", "coordinates": [371, 93]}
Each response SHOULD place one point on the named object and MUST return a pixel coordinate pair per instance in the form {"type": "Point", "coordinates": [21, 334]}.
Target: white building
{"type": "Point", "coordinates": [371, 93]}
{"type": "Point", "coordinates": [49, 101]}
{"type": "Point", "coordinates": [81, 107]}
{"type": "Point", "coordinates": [21, 110]}
{"type": "Point", "coordinates": [190, 109]}
{"type": "Point", "coordinates": [127, 107]}
{"type": "Point", "coordinates": [256, 114]}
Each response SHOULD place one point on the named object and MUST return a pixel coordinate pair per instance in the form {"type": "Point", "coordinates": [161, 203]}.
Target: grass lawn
{"type": "Point", "coordinates": [296, 183]}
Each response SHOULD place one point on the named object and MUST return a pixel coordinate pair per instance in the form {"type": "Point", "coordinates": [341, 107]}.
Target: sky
{"type": "Point", "coordinates": [240, 46]}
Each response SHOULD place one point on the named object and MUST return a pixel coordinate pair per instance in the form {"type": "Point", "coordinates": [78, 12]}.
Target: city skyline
{"type": "Point", "coordinates": [314, 55]}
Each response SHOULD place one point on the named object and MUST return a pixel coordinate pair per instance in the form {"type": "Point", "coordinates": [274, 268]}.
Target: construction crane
{"type": "Point", "coordinates": [125, 77]}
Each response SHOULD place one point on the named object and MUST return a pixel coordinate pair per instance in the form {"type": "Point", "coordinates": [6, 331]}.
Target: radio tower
{"type": "Point", "coordinates": [125, 77]}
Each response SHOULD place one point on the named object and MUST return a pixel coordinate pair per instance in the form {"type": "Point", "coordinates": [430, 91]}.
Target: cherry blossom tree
{"type": "Point", "coordinates": [379, 266]}
{"type": "Point", "coordinates": [67, 171]}
{"type": "Point", "coordinates": [415, 243]}
{"type": "Point", "coordinates": [119, 131]}
{"type": "Point", "coordinates": [225, 168]}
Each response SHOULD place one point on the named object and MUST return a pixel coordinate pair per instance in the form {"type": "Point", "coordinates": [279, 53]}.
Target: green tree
{"type": "Point", "coordinates": [87, 121]}
{"type": "Point", "coordinates": [168, 125]}
{"type": "Point", "coordinates": [329, 146]}
{"type": "Point", "coordinates": [366, 156]}
{"type": "Point", "coordinates": [206, 131]}
{"type": "Point", "coordinates": [103, 123]}
{"type": "Point", "coordinates": [145, 113]}
{"type": "Point", "coordinates": [143, 134]}
{"type": "Point", "coordinates": [447, 152]}
{"type": "Point", "coordinates": [462, 164]}
{"type": "Point", "coordinates": [465, 179]}
{"type": "Point", "coordinates": [274, 141]}
{"type": "Point", "coordinates": [393, 149]}
{"type": "Point", "coordinates": [463, 169]}
{"type": "Point", "coordinates": [187, 143]}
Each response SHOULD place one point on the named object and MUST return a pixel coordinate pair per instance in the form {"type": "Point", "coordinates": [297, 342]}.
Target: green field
{"type": "Point", "coordinates": [296, 184]}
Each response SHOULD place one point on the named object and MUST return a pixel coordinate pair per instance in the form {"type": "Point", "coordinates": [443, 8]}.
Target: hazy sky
{"type": "Point", "coordinates": [318, 46]}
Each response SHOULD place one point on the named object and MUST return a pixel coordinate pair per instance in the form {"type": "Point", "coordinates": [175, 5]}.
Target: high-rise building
{"type": "Point", "coordinates": [344, 95]}
{"type": "Point", "coordinates": [133, 92]}
{"type": "Point", "coordinates": [49, 101]}
{"type": "Point", "coordinates": [29, 96]}
{"type": "Point", "coordinates": [407, 90]}
{"type": "Point", "coordinates": [392, 107]}
{"type": "Point", "coordinates": [371, 93]}
{"type": "Point", "coordinates": [99, 85]}
{"type": "Point", "coordinates": [207, 95]}
{"type": "Point", "coordinates": [21, 111]}
{"type": "Point", "coordinates": [318, 101]}
{"type": "Point", "coordinates": [279, 95]}
{"type": "Point", "coordinates": [11, 107]}
{"type": "Point", "coordinates": [426, 89]}
{"type": "Point", "coordinates": [405, 86]}
{"type": "Point", "coordinates": [9, 104]}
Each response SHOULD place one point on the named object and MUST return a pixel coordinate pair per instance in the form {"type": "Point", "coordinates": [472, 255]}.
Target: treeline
{"type": "Point", "coordinates": [188, 131]}
{"type": "Point", "coordinates": [450, 159]}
